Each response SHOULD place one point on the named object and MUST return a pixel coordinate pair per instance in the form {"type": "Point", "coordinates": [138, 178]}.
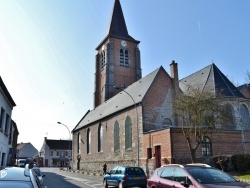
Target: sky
{"type": "Point", "coordinates": [47, 51]}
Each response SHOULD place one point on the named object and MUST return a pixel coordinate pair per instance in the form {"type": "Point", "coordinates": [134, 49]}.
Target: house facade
{"type": "Point", "coordinates": [136, 125]}
{"type": "Point", "coordinates": [8, 129]}
{"type": "Point", "coordinates": [56, 153]}
{"type": "Point", "coordinates": [26, 150]}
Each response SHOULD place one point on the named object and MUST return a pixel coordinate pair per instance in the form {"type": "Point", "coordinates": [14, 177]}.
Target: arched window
{"type": "Point", "coordinates": [116, 137]}
{"type": "Point", "coordinates": [124, 57]}
{"type": "Point", "coordinates": [206, 147]}
{"type": "Point", "coordinates": [88, 141]}
{"type": "Point", "coordinates": [103, 59]}
{"type": "Point", "coordinates": [228, 117]}
{"type": "Point", "coordinates": [100, 138]}
{"type": "Point", "coordinates": [128, 133]}
{"type": "Point", "coordinates": [79, 143]}
{"type": "Point", "coordinates": [244, 113]}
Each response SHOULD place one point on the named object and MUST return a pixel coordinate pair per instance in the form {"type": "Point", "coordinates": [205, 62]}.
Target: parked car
{"type": "Point", "coordinates": [192, 175]}
{"type": "Point", "coordinates": [39, 173]}
{"type": "Point", "coordinates": [19, 177]}
{"type": "Point", "coordinates": [21, 162]}
{"type": "Point", "coordinates": [125, 176]}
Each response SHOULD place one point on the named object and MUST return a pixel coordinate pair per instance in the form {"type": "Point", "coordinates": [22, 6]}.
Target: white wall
{"type": "Point", "coordinates": [4, 139]}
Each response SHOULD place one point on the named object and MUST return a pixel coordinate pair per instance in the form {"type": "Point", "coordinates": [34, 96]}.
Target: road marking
{"type": "Point", "coordinates": [85, 181]}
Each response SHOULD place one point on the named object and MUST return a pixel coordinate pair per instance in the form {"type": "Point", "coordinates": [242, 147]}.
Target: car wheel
{"type": "Point", "coordinates": [120, 185]}
{"type": "Point", "coordinates": [105, 183]}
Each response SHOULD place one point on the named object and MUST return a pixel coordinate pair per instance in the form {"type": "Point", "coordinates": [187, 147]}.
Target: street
{"type": "Point", "coordinates": [63, 179]}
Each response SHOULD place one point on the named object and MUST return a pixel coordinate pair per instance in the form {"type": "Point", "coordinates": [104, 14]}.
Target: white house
{"type": "Point", "coordinates": [56, 152]}
{"type": "Point", "coordinates": [6, 107]}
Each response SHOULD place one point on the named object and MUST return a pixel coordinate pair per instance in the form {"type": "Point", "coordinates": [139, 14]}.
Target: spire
{"type": "Point", "coordinates": [117, 26]}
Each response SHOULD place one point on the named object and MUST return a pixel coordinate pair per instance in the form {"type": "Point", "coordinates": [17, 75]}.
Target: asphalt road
{"type": "Point", "coordinates": [56, 178]}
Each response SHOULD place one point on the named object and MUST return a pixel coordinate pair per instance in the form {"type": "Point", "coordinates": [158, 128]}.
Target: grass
{"type": "Point", "coordinates": [245, 176]}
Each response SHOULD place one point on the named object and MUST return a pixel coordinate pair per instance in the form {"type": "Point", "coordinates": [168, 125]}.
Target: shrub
{"type": "Point", "coordinates": [241, 162]}
{"type": "Point", "coordinates": [221, 162]}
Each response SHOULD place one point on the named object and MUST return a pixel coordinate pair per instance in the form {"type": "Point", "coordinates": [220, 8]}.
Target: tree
{"type": "Point", "coordinates": [247, 77]}
{"type": "Point", "coordinates": [198, 112]}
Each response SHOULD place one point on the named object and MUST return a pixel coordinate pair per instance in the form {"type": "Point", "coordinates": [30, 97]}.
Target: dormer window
{"type": "Point", "coordinates": [124, 57]}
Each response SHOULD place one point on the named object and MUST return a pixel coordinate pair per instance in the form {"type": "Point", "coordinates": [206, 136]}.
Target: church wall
{"type": "Point", "coordinates": [92, 163]}
{"type": "Point", "coordinates": [155, 139]}
{"type": "Point", "coordinates": [223, 143]}
{"type": "Point", "coordinates": [157, 105]}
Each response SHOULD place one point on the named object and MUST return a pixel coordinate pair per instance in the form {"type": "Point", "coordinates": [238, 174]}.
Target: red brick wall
{"type": "Point", "coordinates": [157, 104]}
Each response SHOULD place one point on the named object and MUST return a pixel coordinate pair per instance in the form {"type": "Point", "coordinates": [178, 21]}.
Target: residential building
{"type": "Point", "coordinates": [137, 125]}
{"type": "Point", "coordinates": [6, 126]}
{"type": "Point", "coordinates": [13, 143]}
{"type": "Point", "coordinates": [26, 150]}
{"type": "Point", "coordinates": [56, 153]}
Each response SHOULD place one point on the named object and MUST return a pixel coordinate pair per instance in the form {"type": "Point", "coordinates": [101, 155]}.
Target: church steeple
{"type": "Point", "coordinates": [117, 26]}
{"type": "Point", "coordinates": [118, 61]}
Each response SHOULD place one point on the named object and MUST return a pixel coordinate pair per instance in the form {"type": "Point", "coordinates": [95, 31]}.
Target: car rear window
{"type": "Point", "coordinates": [11, 184]}
{"type": "Point", "coordinates": [135, 171]}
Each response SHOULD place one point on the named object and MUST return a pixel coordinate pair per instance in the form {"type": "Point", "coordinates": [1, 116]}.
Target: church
{"type": "Point", "coordinates": [133, 121]}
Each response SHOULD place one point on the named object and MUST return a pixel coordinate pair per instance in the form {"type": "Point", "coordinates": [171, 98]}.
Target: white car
{"type": "Point", "coordinates": [39, 173]}
{"type": "Point", "coordinates": [21, 162]}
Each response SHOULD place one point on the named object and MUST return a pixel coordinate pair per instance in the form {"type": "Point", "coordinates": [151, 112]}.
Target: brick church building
{"type": "Point", "coordinates": [133, 121]}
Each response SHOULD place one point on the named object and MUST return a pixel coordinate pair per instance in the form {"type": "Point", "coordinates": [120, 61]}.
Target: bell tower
{"type": "Point", "coordinates": [118, 61]}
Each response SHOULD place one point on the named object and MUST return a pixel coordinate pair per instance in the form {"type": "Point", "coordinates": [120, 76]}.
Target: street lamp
{"type": "Point", "coordinates": [137, 126]}
{"type": "Point", "coordinates": [69, 138]}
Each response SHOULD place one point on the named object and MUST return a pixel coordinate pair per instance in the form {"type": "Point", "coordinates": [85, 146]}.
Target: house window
{"type": "Point", "coordinates": [128, 133]}
{"type": "Point", "coordinates": [2, 118]}
{"type": "Point", "coordinates": [100, 138]}
{"type": "Point", "coordinates": [116, 137]}
{"type": "Point", "coordinates": [57, 153]}
{"type": "Point", "coordinates": [88, 141]}
{"type": "Point", "coordinates": [51, 153]}
{"type": "Point", "coordinates": [79, 144]}
{"type": "Point", "coordinates": [206, 147]}
{"type": "Point", "coordinates": [7, 124]}
{"type": "Point", "coordinates": [124, 57]}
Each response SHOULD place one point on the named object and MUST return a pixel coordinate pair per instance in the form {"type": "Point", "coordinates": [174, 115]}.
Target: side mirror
{"type": "Point", "coordinates": [184, 184]}
{"type": "Point", "coordinates": [43, 175]}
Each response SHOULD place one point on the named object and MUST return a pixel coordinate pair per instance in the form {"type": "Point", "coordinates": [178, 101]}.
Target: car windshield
{"type": "Point", "coordinates": [209, 175]}
{"type": "Point", "coordinates": [134, 171]}
{"type": "Point", "coordinates": [38, 172]}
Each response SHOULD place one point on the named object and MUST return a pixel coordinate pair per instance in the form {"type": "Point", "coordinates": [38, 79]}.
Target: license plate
{"type": "Point", "coordinates": [137, 178]}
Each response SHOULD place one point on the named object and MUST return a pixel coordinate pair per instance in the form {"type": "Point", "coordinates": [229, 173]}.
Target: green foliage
{"type": "Point", "coordinates": [241, 162]}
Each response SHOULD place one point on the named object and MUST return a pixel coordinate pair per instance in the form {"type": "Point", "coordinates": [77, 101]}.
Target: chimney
{"type": "Point", "coordinates": [174, 76]}
{"type": "Point", "coordinates": [45, 138]}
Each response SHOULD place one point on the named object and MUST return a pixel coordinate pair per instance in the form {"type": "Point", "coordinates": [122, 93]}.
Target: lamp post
{"type": "Point", "coordinates": [137, 126]}
{"type": "Point", "coordinates": [69, 139]}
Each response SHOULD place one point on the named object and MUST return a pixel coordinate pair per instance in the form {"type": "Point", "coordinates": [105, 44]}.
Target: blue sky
{"type": "Point", "coordinates": [47, 51]}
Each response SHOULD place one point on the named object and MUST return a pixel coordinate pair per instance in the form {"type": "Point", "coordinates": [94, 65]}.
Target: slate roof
{"type": "Point", "coordinates": [59, 144]}
{"type": "Point", "coordinates": [245, 90]}
{"type": "Point", "coordinates": [117, 25]}
{"type": "Point", "coordinates": [6, 92]}
{"type": "Point", "coordinates": [21, 145]}
{"type": "Point", "coordinates": [120, 101]}
{"type": "Point", "coordinates": [211, 79]}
